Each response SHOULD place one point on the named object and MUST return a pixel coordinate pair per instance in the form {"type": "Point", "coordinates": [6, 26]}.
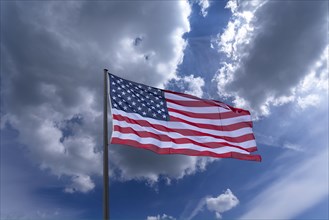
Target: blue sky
{"type": "Point", "coordinates": [269, 57]}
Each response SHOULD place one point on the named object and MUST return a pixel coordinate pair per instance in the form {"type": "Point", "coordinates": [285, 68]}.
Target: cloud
{"type": "Point", "coordinates": [52, 78]}
{"type": "Point", "coordinates": [297, 189]}
{"type": "Point", "coordinates": [199, 207]}
{"type": "Point", "coordinates": [222, 203]}
{"type": "Point", "coordinates": [189, 84]}
{"type": "Point", "coordinates": [298, 179]}
{"type": "Point", "coordinates": [313, 89]}
{"type": "Point", "coordinates": [160, 217]}
{"type": "Point", "coordinates": [309, 100]}
{"type": "Point", "coordinates": [204, 4]}
{"type": "Point", "coordinates": [80, 183]}
{"type": "Point", "coordinates": [270, 47]}
{"type": "Point", "coordinates": [146, 165]}
{"type": "Point", "coordinates": [195, 85]}
{"type": "Point", "coordinates": [278, 141]}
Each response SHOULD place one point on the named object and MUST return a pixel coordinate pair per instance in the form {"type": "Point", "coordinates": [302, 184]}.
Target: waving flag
{"type": "Point", "coordinates": [168, 122]}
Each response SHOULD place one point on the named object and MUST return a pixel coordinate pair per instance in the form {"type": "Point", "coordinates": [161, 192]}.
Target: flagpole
{"type": "Point", "coordinates": [106, 211]}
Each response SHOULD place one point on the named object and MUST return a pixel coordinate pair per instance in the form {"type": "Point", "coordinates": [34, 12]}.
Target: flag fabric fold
{"type": "Point", "coordinates": [168, 122]}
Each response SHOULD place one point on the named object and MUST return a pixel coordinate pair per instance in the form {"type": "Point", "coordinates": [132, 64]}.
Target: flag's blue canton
{"type": "Point", "coordinates": [138, 98]}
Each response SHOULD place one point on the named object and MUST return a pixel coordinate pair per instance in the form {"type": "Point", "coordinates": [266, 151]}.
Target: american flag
{"type": "Point", "coordinates": [168, 122]}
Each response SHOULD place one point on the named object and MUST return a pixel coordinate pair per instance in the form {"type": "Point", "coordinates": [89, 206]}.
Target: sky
{"type": "Point", "coordinates": [269, 57]}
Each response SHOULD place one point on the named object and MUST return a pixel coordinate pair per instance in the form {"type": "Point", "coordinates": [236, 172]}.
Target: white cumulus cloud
{"type": "Point", "coordinates": [52, 86]}
{"type": "Point", "coordinates": [80, 183]}
{"type": "Point", "coordinates": [204, 4]}
{"type": "Point", "coordinates": [222, 203]}
{"type": "Point", "coordinates": [266, 54]}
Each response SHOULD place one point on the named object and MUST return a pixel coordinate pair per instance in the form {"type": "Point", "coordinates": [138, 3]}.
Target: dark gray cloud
{"type": "Point", "coordinates": [151, 167]}
{"type": "Point", "coordinates": [271, 49]}
{"type": "Point", "coordinates": [52, 60]}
